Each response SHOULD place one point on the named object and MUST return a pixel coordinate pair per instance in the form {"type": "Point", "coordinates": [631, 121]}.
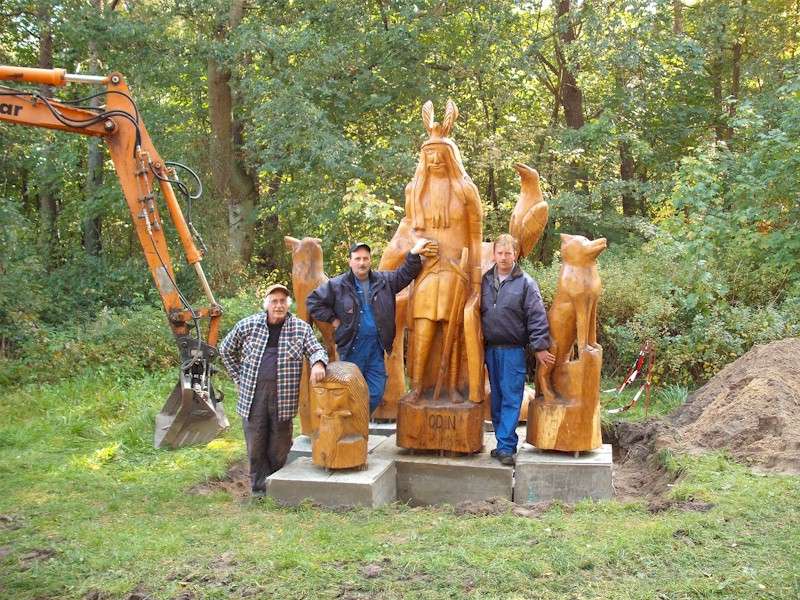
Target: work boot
{"type": "Point", "coordinates": [505, 459]}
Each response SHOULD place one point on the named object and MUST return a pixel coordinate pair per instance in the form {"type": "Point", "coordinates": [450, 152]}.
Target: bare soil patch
{"type": "Point", "coordinates": [27, 560]}
{"type": "Point", "coordinates": [751, 409]}
{"type": "Point", "coordinates": [236, 482]}
{"type": "Point", "coordinates": [501, 506]}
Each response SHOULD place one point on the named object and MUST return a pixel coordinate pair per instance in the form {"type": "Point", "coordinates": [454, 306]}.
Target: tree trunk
{"type": "Point", "coordinates": [626, 174]}
{"type": "Point", "coordinates": [736, 67]}
{"type": "Point", "coordinates": [93, 224]}
{"type": "Point", "coordinates": [491, 191]}
{"type": "Point", "coordinates": [233, 184]}
{"type": "Point", "coordinates": [48, 209]}
{"type": "Point", "coordinates": [677, 17]}
{"type": "Point", "coordinates": [571, 94]}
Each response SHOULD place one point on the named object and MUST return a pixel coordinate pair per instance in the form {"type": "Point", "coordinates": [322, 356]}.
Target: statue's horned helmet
{"type": "Point", "coordinates": [438, 131]}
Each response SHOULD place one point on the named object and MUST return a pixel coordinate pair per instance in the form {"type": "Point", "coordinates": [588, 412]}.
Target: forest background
{"type": "Point", "coordinates": [670, 127]}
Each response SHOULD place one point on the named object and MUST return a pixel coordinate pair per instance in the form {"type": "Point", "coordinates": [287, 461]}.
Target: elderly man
{"type": "Point", "coordinates": [512, 317]}
{"type": "Point", "coordinates": [361, 306]}
{"type": "Point", "coordinates": [264, 355]}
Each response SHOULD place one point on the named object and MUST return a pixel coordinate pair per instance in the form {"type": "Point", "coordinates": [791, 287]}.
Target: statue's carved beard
{"type": "Point", "coordinates": [437, 190]}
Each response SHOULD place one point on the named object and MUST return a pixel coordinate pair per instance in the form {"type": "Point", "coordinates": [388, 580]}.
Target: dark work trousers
{"type": "Point", "coordinates": [268, 440]}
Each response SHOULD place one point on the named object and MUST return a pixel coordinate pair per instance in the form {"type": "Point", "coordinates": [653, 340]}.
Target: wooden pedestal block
{"type": "Point", "coordinates": [346, 453]}
{"type": "Point", "coordinates": [571, 422]}
{"type": "Point", "coordinates": [443, 425]}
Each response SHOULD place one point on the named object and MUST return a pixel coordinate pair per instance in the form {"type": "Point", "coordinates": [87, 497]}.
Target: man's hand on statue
{"type": "Point", "coordinates": [545, 358]}
{"type": "Point", "coordinates": [428, 248]}
{"type": "Point", "coordinates": [317, 372]}
{"type": "Point", "coordinates": [336, 323]}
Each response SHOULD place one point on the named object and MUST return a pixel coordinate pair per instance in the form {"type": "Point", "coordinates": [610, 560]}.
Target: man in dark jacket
{"type": "Point", "coordinates": [512, 317]}
{"type": "Point", "coordinates": [361, 306]}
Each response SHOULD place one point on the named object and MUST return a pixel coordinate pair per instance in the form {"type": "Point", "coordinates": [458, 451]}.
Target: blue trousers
{"type": "Point", "coordinates": [507, 371]}
{"type": "Point", "coordinates": [367, 354]}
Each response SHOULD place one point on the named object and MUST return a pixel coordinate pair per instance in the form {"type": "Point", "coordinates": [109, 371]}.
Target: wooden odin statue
{"type": "Point", "coordinates": [342, 407]}
{"type": "Point", "coordinates": [445, 363]}
{"type": "Point", "coordinates": [565, 415]}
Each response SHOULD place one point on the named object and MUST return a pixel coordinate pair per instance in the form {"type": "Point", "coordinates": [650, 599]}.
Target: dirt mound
{"type": "Point", "coordinates": [751, 408]}
{"type": "Point", "coordinates": [236, 482]}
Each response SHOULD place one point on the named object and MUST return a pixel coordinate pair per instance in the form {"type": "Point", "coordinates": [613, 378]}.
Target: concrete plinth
{"type": "Point", "coordinates": [383, 429]}
{"type": "Point", "coordinates": [547, 475]}
{"type": "Point", "coordinates": [302, 446]}
{"type": "Point", "coordinates": [300, 480]}
{"type": "Point", "coordinates": [425, 478]}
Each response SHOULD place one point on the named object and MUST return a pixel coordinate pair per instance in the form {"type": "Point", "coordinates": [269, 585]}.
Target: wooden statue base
{"type": "Point", "coordinates": [443, 425]}
{"type": "Point", "coordinates": [347, 453]}
{"type": "Point", "coordinates": [570, 423]}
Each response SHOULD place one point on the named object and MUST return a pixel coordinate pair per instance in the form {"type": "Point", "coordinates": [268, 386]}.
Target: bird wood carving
{"type": "Point", "coordinates": [529, 217]}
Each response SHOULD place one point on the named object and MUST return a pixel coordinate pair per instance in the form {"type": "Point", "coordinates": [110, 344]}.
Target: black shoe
{"type": "Point", "coordinates": [506, 459]}
{"type": "Point", "coordinates": [494, 453]}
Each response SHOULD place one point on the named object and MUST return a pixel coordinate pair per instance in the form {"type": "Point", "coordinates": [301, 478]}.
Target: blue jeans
{"type": "Point", "coordinates": [507, 371]}
{"type": "Point", "coordinates": [367, 354]}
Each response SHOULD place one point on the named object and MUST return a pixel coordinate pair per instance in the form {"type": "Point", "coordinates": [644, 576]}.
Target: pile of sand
{"type": "Point", "coordinates": [751, 409]}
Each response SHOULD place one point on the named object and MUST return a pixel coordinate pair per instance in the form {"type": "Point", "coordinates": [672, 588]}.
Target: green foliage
{"type": "Point", "coordinates": [119, 343]}
{"type": "Point", "coordinates": [687, 160]}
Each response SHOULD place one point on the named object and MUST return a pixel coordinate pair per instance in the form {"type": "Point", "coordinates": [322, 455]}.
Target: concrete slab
{"type": "Point", "coordinates": [425, 478]}
{"type": "Point", "coordinates": [301, 446]}
{"type": "Point", "coordinates": [542, 475]}
{"type": "Point", "coordinates": [384, 429]}
{"type": "Point", "coordinates": [300, 480]}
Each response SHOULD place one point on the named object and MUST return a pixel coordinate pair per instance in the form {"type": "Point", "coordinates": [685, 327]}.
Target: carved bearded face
{"type": "Point", "coordinates": [331, 396]}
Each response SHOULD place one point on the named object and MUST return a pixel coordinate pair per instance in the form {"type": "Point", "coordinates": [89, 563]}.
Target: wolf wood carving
{"type": "Point", "coordinates": [565, 415]}
{"type": "Point", "coordinates": [307, 274]}
{"type": "Point", "coordinates": [342, 409]}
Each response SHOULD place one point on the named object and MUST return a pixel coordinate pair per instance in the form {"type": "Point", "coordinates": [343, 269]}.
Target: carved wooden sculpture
{"type": "Point", "coordinates": [307, 274]}
{"type": "Point", "coordinates": [445, 346]}
{"type": "Point", "coordinates": [529, 217]}
{"type": "Point", "coordinates": [392, 258]}
{"type": "Point", "coordinates": [565, 415]}
{"type": "Point", "coordinates": [342, 408]}
{"type": "Point", "coordinates": [527, 223]}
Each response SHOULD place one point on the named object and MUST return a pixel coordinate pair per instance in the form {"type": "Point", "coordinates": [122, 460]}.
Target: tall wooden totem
{"type": "Point", "coordinates": [445, 353]}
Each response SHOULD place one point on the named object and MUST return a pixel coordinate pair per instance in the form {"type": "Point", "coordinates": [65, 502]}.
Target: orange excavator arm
{"type": "Point", "coordinates": [193, 412]}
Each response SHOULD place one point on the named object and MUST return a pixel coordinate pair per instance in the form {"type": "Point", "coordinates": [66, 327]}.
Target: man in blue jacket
{"type": "Point", "coordinates": [512, 317]}
{"type": "Point", "coordinates": [361, 306]}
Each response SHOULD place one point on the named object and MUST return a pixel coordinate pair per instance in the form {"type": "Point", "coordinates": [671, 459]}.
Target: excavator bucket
{"type": "Point", "coordinates": [193, 413]}
{"type": "Point", "coordinates": [189, 417]}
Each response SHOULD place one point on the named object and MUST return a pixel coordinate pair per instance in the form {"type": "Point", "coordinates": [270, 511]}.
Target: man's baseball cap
{"type": "Point", "coordinates": [358, 245]}
{"type": "Point", "coordinates": [277, 287]}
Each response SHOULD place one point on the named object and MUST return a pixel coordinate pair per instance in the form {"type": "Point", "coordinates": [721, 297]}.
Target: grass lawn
{"type": "Point", "coordinates": [90, 510]}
